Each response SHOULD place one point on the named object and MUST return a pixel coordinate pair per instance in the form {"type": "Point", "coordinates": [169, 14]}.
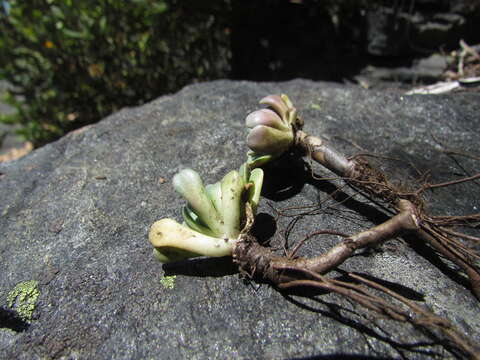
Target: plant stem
{"type": "Point", "coordinates": [324, 154]}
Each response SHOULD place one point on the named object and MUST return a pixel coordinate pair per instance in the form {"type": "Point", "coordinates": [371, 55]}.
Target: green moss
{"type": "Point", "coordinates": [23, 299]}
{"type": "Point", "coordinates": [168, 282]}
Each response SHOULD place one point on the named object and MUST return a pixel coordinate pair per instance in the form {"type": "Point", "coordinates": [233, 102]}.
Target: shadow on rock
{"type": "Point", "coordinates": [203, 267]}
{"type": "Point", "coordinates": [310, 292]}
{"type": "Point", "coordinates": [287, 176]}
{"type": "Point", "coordinates": [9, 319]}
{"type": "Point", "coordinates": [364, 325]}
{"type": "Point", "coordinates": [284, 178]}
{"type": "Point", "coordinates": [341, 357]}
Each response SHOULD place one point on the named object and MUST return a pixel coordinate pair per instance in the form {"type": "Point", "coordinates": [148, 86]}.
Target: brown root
{"type": "Point", "coordinates": [262, 264]}
{"type": "Point", "coordinates": [416, 315]}
{"type": "Point", "coordinates": [256, 261]}
{"type": "Point", "coordinates": [361, 175]}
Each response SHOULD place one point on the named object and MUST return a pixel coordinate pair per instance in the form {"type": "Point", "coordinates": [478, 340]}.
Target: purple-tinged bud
{"type": "Point", "coordinates": [277, 104]}
{"type": "Point", "coordinates": [265, 140]}
{"type": "Point", "coordinates": [272, 130]}
{"type": "Point", "coordinates": [265, 117]}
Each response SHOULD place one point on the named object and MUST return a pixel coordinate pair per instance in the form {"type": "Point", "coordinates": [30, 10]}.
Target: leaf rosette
{"type": "Point", "coordinates": [213, 216]}
{"type": "Point", "coordinates": [272, 129]}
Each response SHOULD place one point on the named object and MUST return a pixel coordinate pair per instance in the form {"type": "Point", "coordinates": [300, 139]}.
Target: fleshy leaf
{"type": "Point", "coordinates": [174, 242]}
{"type": "Point", "coordinates": [232, 204]}
{"type": "Point", "coordinates": [256, 179]}
{"type": "Point", "coordinates": [189, 184]}
{"type": "Point", "coordinates": [244, 172]}
{"type": "Point", "coordinates": [214, 193]}
{"type": "Point", "coordinates": [193, 221]}
{"type": "Point", "coordinates": [276, 103]}
{"type": "Point", "coordinates": [265, 117]}
{"type": "Point", "coordinates": [171, 254]}
{"type": "Point", "coordinates": [265, 140]}
{"type": "Point", "coordinates": [257, 160]}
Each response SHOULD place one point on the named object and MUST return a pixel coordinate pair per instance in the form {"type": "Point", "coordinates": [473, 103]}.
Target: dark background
{"type": "Point", "coordinates": [335, 40]}
{"type": "Point", "coordinates": [110, 54]}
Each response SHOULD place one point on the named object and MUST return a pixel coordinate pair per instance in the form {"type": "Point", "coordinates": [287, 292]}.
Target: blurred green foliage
{"type": "Point", "coordinates": [73, 62]}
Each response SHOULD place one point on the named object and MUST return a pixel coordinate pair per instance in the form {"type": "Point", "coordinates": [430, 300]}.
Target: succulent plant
{"type": "Point", "coordinates": [213, 215]}
{"type": "Point", "coordinates": [272, 129]}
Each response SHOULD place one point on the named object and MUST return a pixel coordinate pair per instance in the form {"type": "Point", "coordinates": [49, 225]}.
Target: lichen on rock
{"type": "Point", "coordinates": [168, 282]}
{"type": "Point", "coordinates": [23, 299]}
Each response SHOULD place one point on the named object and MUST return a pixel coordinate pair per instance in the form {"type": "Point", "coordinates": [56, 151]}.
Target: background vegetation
{"type": "Point", "coordinates": [73, 62]}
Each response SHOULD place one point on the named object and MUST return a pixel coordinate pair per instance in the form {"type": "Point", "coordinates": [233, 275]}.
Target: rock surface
{"type": "Point", "coordinates": [75, 214]}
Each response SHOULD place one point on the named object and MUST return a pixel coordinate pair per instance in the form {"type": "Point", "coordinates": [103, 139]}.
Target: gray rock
{"type": "Point", "coordinates": [425, 70]}
{"type": "Point", "coordinates": [419, 29]}
{"type": "Point", "coordinates": [75, 214]}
